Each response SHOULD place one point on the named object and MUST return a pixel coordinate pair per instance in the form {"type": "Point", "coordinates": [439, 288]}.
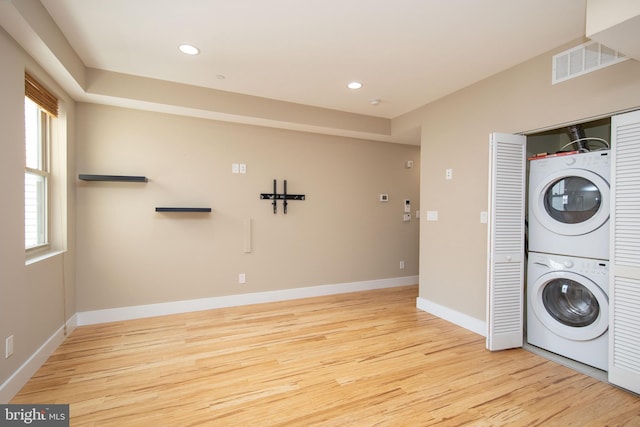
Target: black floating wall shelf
{"type": "Point", "coordinates": [183, 209]}
{"type": "Point", "coordinates": [120, 178]}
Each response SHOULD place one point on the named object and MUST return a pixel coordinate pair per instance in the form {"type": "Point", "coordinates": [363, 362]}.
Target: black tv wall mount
{"type": "Point", "coordinates": [274, 197]}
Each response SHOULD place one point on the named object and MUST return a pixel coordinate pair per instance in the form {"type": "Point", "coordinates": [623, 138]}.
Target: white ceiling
{"type": "Point", "coordinates": [407, 53]}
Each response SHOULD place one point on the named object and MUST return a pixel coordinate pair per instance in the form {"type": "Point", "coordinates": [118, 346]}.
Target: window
{"type": "Point", "coordinates": [40, 108]}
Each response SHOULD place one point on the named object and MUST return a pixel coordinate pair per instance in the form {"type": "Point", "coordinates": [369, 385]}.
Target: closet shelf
{"type": "Point", "coordinates": [164, 209]}
{"type": "Point", "coordinates": [120, 178]}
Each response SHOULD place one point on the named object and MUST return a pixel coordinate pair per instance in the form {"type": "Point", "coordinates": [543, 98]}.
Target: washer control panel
{"type": "Point", "coordinates": [582, 266]}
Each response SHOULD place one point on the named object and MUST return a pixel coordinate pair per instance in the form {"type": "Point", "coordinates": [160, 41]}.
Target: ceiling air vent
{"type": "Point", "coordinates": [583, 59]}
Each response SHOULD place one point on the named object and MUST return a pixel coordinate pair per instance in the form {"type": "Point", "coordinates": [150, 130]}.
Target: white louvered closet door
{"type": "Point", "coordinates": [624, 283]}
{"type": "Point", "coordinates": [505, 272]}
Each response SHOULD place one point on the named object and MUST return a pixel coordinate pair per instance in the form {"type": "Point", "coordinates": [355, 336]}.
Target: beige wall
{"type": "Point", "coordinates": [32, 300]}
{"type": "Point", "coordinates": [455, 134]}
{"type": "Point", "coordinates": [604, 14]}
{"type": "Point", "coordinates": [130, 255]}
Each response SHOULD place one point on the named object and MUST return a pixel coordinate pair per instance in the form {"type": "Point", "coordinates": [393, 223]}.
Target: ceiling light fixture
{"type": "Point", "coordinates": [189, 49]}
{"type": "Point", "coordinates": [354, 85]}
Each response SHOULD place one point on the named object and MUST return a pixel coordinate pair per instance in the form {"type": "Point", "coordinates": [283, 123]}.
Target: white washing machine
{"type": "Point", "coordinates": [568, 307]}
{"type": "Point", "coordinates": [569, 199]}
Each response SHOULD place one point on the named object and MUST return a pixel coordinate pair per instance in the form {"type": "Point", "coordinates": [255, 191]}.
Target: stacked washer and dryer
{"type": "Point", "coordinates": [568, 267]}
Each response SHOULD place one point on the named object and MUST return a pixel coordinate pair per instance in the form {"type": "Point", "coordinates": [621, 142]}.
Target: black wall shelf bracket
{"type": "Point", "coordinates": [164, 209]}
{"type": "Point", "coordinates": [120, 178]}
{"type": "Point", "coordinates": [274, 197]}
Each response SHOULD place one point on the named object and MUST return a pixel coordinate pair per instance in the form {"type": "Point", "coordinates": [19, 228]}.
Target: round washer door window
{"type": "Point", "coordinates": [572, 202]}
{"type": "Point", "coordinates": [570, 305]}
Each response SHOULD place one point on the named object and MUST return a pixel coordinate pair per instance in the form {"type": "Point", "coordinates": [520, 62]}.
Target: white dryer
{"type": "Point", "coordinates": [568, 307]}
{"type": "Point", "coordinates": [569, 199]}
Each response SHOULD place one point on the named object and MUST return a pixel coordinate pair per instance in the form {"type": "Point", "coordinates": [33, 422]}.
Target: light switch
{"type": "Point", "coordinates": [484, 217]}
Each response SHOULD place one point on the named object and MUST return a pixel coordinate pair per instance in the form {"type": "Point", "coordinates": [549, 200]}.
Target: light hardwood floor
{"type": "Point", "coordinates": [360, 359]}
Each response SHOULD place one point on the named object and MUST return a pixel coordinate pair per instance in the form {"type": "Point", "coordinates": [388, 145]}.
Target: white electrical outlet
{"type": "Point", "coordinates": [243, 168]}
{"type": "Point", "coordinates": [401, 265]}
{"type": "Point", "coordinates": [8, 347]}
{"type": "Point", "coordinates": [235, 168]}
{"type": "Point", "coordinates": [448, 174]}
{"type": "Point", "coordinates": [242, 278]}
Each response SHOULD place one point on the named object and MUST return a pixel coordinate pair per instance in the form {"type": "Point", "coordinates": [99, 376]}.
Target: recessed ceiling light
{"type": "Point", "coordinates": [354, 85]}
{"type": "Point", "coordinates": [189, 49]}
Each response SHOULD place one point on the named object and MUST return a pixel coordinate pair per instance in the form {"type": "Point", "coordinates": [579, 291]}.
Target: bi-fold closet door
{"type": "Point", "coordinates": [505, 270]}
{"type": "Point", "coordinates": [506, 262]}
{"type": "Point", "coordinates": [624, 265]}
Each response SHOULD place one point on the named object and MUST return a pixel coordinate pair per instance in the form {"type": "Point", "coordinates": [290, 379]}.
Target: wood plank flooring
{"type": "Point", "coordinates": [360, 359]}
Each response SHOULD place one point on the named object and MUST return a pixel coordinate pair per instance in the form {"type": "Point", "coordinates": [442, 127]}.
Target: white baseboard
{"type": "Point", "coordinates": [460, 319]}
{"type": "Point", "coordinates": [163, 309]}
{"type": "Point", "coordinates": [15, 382]}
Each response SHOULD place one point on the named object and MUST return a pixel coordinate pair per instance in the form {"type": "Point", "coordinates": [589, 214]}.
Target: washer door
{"type": "Point", "coordinates": [572, 202]}
{"type": "Point", "coordinates": [570, 305]}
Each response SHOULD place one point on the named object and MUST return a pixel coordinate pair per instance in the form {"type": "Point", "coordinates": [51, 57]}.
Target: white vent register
{"type": "Point", "coordinates": [583, 59]}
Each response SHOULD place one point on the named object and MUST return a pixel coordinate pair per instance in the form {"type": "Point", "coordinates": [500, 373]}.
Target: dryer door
{"type": "Point", "coordinates": [570, 305]}
{"type": "Point", "coordinates": [572, 202]}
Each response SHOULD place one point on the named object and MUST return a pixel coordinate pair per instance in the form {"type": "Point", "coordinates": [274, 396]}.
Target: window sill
{"type": "Point", "coordinates": [43, 256]}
